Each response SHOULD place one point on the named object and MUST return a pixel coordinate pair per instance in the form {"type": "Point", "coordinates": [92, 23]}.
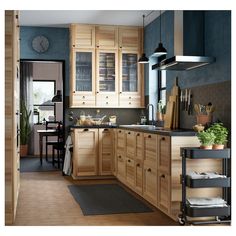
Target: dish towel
{"type": "Point", "coordinates": [205, 175]}
{"type": "Point", "coordinates": [206, 202]}
{"type": "Point", "coordinates": [67, 168]}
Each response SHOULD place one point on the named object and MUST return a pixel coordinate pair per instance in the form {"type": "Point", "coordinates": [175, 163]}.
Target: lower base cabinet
{"type": "Point", "coordinates": [130, 170]}
{"type": "Point", "coordinates": [121, 171]}
{"type": "Point", "coordinates": [138, 180]}
{"type": "Point", "coordinates": [150, 183]}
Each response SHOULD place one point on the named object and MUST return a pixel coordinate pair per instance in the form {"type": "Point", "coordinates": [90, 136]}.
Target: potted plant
{"type": "Point", "coordinates": [221, 134]}
{"type": "Point", "coordinates": [25, 128]}
{"type": "Point", "coordinates": [160, 110]}
{"type": "Point", "coordinates": [206, 139]}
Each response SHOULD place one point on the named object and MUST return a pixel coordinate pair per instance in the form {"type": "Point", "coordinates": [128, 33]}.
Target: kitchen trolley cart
{"type": "Point", "coordinates": [222, 213]}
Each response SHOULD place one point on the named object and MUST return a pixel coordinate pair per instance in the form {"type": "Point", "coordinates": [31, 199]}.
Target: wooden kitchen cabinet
{"type": "Point", "coordinates": [130, 172]}
{"type": "Point", "coordinates": [150, 183]}
{"type": "Point", "coordinates": [85, 152]}
{"type": "Point", "coordinates": [130, 38]}
{"type": "Point", "coordinates": [164, 150]}
{"type": "Point", "coordinates": [164, 192]}
{"type": "Point", "coordinates": [82, 78]}
{"type": "Point", "coordinates": [82, 36]}
{"type": "Point", "coordinates": [121, 167]}
{"type": "Point", "coordinates": [139, 146]}
{"type": "Point", "coordinates": [106, 37]}
{"type": "Point", "coordinates": [130, 144]}
{"type": "Point", "coordinates": [150, 148]}
{"type": "Point", "coordinates": [105, 151]}
{"type": "Point", "coordinates": [106, 78]}
{"type": "Point", "coordinates": [121, 143]}
{"type": "Point", "coordinates": [138, 179]}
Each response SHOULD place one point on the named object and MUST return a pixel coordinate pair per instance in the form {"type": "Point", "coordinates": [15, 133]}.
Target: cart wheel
{"type": "Point", "coordinates": [181, 220]}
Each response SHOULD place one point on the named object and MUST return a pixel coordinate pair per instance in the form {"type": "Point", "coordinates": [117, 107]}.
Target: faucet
{"type": "Point", "coordinates": [148, 105]}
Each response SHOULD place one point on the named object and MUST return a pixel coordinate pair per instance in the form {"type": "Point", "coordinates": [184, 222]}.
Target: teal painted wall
{"type": "Point", "coordinates": [58, 49]}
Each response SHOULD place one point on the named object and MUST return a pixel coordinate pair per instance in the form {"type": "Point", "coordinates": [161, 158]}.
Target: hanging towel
{"type": "Point", "coordinates": [198, 201]}
{"type": "Point", "coordinates": [67, 162]}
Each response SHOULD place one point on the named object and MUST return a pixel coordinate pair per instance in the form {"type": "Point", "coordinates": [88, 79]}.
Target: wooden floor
{"type": "Point", "coordinates": [44, 199]}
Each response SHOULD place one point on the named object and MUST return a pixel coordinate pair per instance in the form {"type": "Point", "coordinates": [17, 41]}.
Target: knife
{"type": "Point", "coordinates": [189, 102]}
{"type": "Point", "coordinates": [186, 100]}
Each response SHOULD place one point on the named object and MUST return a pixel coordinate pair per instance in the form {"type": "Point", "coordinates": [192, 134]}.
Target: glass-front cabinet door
{"type": "Point", "coordinates": [83, 78]}
{"type": "Point", "coordinates": [129, 79]}
{"type": "Point", "coordinates": [107, 78]}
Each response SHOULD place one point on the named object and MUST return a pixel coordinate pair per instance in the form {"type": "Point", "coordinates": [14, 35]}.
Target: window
{"type": "Point", "coordinates": [43, 91]}
{"type": "Point", "coordinates": [162, 86]}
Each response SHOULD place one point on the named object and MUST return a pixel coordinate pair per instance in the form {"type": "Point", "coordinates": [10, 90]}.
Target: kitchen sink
{"type": "Point", "coordinates": [152, 127]}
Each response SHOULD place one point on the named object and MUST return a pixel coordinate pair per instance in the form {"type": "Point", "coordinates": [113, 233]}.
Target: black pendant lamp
{"type": "Point", "coordinates": [143, 59]}
{"type": "Point", "coordinates": [57, 97]}
{"type": "Point", "coordinates": [160, 50]}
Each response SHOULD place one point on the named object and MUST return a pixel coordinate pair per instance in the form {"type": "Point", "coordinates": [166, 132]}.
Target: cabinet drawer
{"type": "Point", "coordinates": [130, 101]}
{"type": "Point", "coordinates": [83, 100]}
{"type": "Point", "coordinates": [121, 165]}
{"type": "Point", "coordinates": [121, 141]}
{"type": "Point", "coordinates": [150, 148]}
{"type": "Point", "coordinates": [107, 100]}
{"type": "Point", "coordinates": [138, 185]}
{"type": "Point", "coordinates": [164, 192]}
{"type": "Point", "coordinates": [164, 157]}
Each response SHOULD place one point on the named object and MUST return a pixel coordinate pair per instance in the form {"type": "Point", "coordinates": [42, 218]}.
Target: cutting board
{"type": "Point", "coordinates": [169, 114]}
{"type": "Point", "coordinates": [174, 98]}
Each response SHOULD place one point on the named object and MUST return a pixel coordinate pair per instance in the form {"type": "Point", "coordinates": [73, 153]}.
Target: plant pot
{"type": "Point", "coordinates": [159, 116]}
{"type": "Point", "coordinates": [204, 119]}
{"type": "Point", "coordinates": [218, 146]}
{"type": "Point", "coordinates": [206, 147]}
{"type": "Point", "coordinates": [24, 150]}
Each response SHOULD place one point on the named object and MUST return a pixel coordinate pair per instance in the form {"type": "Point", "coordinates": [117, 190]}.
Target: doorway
{"type": "Point", "coordinates": [40, 80]}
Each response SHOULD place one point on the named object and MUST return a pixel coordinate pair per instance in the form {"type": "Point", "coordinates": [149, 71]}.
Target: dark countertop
{"type": "Point", "coordinates": [143, 128]}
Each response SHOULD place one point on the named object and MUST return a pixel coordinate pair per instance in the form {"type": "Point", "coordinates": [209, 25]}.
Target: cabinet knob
{"type": "Point", "coordinates": [129, 97]}
{"type": "Point", "coordinates": [83, 102]}
{"type": "Point", "coordinates": [97, 46]}
{"type": "Point", "coordinates": [149, 136]}
{"type": "Point", "coordinates": [119, 131]}
{"type": "Point", "coordinates": [106, 102]}
{"type": "Point", "coordinates": [119, 157]}
{"type": "Point", "coordinates": [129, 103]}
{"type": "Point", "coordinates": [73, 91]}
{"type": "Point", "coordinates": [128, 160]}
{"type": "Point", "coordinates": [18, 113]}
{"type": "Point", "coordinates": [120, 47]}
{"type": "Point", "coordinates": [163, 139]}
{"type": "Point", "coordinates": [97, 92]}
{"type": "Point", "coordinates": [120, 92]}
{"type": "Point", "coordinates": [138, 134]}
{"type": "Point", "coordinates": [138, 165]}
{"type": "Point", "coordinates": [83, 96]}
{"type": "Point", "coordinates": [163, 176]}
{"type": "Point", "coordinates": [73, 45]}
{"type": "Point", "coordinates": [106, 96]}
{"type": "Point", "coordinates": [86, 130]}
{"type": "Point", "coordinates": [149, 170]}
{"type": "Point", "coordinates": [105, 130]}
{"type": "Point", "coordinates": [128, 132]}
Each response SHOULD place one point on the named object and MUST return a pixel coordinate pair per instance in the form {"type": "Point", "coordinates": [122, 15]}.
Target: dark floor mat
{"type": "Point", "coordinates": [32, 164]}
{"type": "Point", "coordinates": [101, 199]}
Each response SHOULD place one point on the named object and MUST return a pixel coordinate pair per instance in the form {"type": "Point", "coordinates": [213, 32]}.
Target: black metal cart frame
{"type": "Point", "coordinates": [221, 214]}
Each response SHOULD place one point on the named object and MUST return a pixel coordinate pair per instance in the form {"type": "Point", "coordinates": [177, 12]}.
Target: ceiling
{"type": "Point", "coordinates": [59, 18]}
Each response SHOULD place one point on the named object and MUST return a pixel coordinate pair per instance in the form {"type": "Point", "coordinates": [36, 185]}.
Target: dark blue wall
{"type": "Point", "coordinates": [58, 49]}
{"type": "Point", "coordinates": [217, 43]}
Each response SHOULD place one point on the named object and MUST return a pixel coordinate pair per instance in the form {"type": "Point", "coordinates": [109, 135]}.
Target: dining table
{"type": "Point", "coordinates": [45, 133]}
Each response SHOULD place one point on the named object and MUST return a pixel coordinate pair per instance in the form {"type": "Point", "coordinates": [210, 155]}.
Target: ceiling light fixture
{"type": "Point", "coordinates": [160, 50]}
{"type": "Point", "coordinates": [143, 59]}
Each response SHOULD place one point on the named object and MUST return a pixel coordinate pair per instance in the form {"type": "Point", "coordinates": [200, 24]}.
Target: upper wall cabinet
{"type": "Point", "coordinates": [106, 37]}
{"type": "Point", "coordinates": [82, 36]}
{"type": "Point", "coordinates": [130, 38]}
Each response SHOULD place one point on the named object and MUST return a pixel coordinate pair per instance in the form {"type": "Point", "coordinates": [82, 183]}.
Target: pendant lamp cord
{"type": "Point", "coordinates": [160, 26]}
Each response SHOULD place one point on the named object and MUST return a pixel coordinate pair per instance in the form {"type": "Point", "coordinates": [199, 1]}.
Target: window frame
{"type": "Point", "coordinates": [160, 88]}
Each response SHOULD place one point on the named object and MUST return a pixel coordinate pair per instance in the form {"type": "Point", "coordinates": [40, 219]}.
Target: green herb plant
{"type": "Point", "coordinates": [220, 132]}
{"type": "Point", "coordinates": [206, 138]}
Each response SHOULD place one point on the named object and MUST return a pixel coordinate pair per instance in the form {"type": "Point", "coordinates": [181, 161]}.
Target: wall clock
{"type": "Point", "coordinates": [40, 44]}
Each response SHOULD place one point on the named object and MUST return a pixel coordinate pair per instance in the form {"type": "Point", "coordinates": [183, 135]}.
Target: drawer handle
{"type": "Point", "coordinates": [138, 134]}
{"type": "Point", "coordinates": [149, 136]}
{"type": "Point", "coordinates": [163, 176]}
{"type": "Point", "coordinates": [138, 165]}
{"type": "Point", "coordinates": [163, 138]}
{"type": "Point", "coordinates": [149, 170]}
{"type": "Point", "coordinates": [86, 130]}
{"type": "Point", "coordinates": [128, 160]}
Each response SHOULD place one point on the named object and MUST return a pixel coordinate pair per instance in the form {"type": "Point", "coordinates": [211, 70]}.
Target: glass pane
{"type": "Point", "coordinates": [83, 71]}
{"type": "Point", "coordinates": [163, 79]}
{"type": "Point", "coordinates": [43, 92]}
{"type": "Point", "coordinates": [45, 112]}
{"type": "Point", "coordinates": [107, 72]}
{"type": "Point", "coordinates": [129, 72]}
{"type": "Point", "coordinates": [163, 96]}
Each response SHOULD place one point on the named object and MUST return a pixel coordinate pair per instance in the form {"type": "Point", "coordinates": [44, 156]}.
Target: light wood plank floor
{"type": "Point", "coordinates": [44, 199]}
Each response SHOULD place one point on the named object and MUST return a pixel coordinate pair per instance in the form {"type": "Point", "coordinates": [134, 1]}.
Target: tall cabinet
{"type": "Point", "coordinates": [104, 66]}
{"type": "Point", "coordinates": [12, 124]}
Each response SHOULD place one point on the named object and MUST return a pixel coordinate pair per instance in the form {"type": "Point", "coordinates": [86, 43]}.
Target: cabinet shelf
{"type": "Point", "coordinates": [207, 183]}
{"type": "Point", "coordinates": [207, 211]}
